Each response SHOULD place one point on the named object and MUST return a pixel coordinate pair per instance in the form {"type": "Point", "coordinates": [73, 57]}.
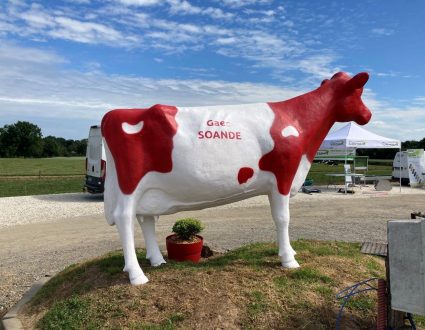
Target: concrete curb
{"type": "Point", "coordinates": [11, 321]}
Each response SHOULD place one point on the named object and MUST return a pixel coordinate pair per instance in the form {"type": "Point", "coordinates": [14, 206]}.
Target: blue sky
{"type": "Point", "coordinates": [63, 64]}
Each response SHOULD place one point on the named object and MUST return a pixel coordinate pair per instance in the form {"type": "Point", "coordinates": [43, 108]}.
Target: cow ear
{"type": "Point", "coordinates": [358, 81]}
{"type": "Point", "coordinates": [324, 81]}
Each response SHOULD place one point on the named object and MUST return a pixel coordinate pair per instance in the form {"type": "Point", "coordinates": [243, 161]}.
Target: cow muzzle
{"type": "Point", "coordinates": [364, 117]}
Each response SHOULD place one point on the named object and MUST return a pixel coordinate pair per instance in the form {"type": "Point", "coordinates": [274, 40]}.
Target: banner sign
{"type": "Point", "coordinates": [335, 154]}
{"type": "Point", "coordinates": [416, 167]}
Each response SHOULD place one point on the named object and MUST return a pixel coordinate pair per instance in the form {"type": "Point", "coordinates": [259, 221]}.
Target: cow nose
{"type": "Point", "coordinates": [364, 118]}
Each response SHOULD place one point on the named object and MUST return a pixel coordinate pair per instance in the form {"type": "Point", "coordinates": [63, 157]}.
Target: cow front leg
{"type": "Point", "coordinates": [279, 205]}
{"type": "Point", "coordinates": [153, 253]}
{"type": "Point", "coordinates": [125, 225]}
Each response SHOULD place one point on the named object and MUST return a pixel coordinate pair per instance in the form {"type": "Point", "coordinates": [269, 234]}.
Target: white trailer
{"type": "Point", "coordinates": [95, 161]}
{"type": "Point", "coordinates": [400, 167]}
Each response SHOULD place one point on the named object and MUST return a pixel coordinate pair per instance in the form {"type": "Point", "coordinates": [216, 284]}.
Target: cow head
{"type": "Point", "coordinates": [347, 102]}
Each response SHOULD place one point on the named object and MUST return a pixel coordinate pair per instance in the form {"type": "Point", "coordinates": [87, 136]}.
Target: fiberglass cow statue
{"type": "Point", "coordinates": [165, 159]}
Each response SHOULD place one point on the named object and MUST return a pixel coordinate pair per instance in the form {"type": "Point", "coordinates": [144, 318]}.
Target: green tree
{"type": "Point", "coordinates": [81, 147]}
{"type": "Point", "coordinates": [51, 147]}
{"type": "Point", "coordinates": [21, 139]}
{"type": "Point", "coordinates": [411, 144]}
{"type": "Point", "coordinates": [2, 148]}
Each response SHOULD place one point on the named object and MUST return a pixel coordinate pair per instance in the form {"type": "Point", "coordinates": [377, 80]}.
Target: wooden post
{"type": "Point", "coordinates": [395, 318]}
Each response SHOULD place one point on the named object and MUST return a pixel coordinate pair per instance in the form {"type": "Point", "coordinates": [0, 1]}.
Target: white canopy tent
{"type": "Point", "coordinates": [352, 136]}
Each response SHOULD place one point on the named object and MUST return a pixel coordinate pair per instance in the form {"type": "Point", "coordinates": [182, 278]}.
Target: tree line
{"type": "Point", "coordinates": [390, 153]}
{"type": "Point", "coordinates": [24, 139]}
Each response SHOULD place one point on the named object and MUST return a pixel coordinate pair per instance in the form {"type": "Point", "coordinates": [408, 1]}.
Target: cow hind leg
{"type": "Point", "coordinates": [280, 212]}
{"type": "Point", "coordinates": [125, 226]}
{"type": "Point", "coordinates": [153, 253]}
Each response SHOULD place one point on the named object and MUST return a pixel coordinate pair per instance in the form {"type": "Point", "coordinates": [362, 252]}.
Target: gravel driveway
{"type": "Point", "coordinates": [41, 235]}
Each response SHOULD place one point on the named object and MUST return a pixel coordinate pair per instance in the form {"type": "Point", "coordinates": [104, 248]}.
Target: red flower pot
{"type": "Point", "coordinates": [183, 250]}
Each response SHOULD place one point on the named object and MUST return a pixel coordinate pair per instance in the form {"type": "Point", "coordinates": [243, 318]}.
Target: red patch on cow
{"type": "Point", "coordinates": [312, 114]}
{"type": "Point", "coordinates": [312, 123]}
{"type": "Point", "coordinates": [244, 174]}
{"type": "Point", "coordinates": [149, 150]}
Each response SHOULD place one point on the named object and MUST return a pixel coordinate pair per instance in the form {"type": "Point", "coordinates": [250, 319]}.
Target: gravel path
{"type": "Point", "coordinates": [41, 235]}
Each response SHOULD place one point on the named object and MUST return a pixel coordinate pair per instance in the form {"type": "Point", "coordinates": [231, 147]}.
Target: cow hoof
{"type": "Point", "coordinates": [290, 264]}
{"type": "Point", "coordinates": [139, 280]}
{"type": "Point", "coordinates": [158, 262]}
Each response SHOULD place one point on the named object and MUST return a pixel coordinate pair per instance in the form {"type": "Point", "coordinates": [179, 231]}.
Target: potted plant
{"type": "Point", "coordinates": [185, 244]}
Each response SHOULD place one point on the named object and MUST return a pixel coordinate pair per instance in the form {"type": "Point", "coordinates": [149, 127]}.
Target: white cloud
{"type": "Point", "coordinates": [33, 87]}
{"type": "Point", "coordinates": [79, 1]}
{"type": "Point", "coordinates": [185, 8]}
{"type": "Point", "coordinates": [47, 92]}
{"type": "Point", "coordinates": [12, 53]}
{"type": "Point", "coordinates": [318, 66]}
{"type": "Point", "coordinates": [392, 74]}
{"type": "Point", "coordinates": [243, 3]}
{"type": "Point", "coordinates": [35, 17]}
{"type": "Point", "coordinates": [85, 32]}
{"type": "Point", "coordinates": [226, 41]}
{"type": "Point", "coordinates": [399, 122]}
{"type": "Point", "coordinates": [159, 29]}
{"type": "Point", "coordinates": [382, 31]}
{"type": "Point", "coordinates": [217, 13]}
{"type": "Point", "coordinates": [140, 3]}
{"type": "Point", "coordinates": [38, 22]}
{"type": "Point", "coordinates": [420, 100]}
{"type": "Point", "coordinates": [279, 53]}
{"type": "Point", "coordinates": [127, 26]}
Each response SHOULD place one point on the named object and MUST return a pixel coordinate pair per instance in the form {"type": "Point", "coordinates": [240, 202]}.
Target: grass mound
{"type": "Point", "coordinates": [245, 288]}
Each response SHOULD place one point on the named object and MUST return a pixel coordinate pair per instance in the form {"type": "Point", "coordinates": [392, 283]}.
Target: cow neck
{"type": "Point", "coordinates": [298, 129]}
{"type": "Point", "coordinates": [312, 114]}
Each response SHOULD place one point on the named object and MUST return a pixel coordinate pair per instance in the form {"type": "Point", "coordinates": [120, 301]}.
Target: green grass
{"type": "Point", "coordinates": [388, 162]}
{"type": "Point", "coordinates": [43, 168]}
{"type": "Point", "coordinates": [318, 171]}
{"type": "Point", "coordinates": [40, 176]}
{"type": "Point", "coordinates": [420, 321]}
{"type": "Point", "coordinates": [309, 275]}
{"type": "Point", "coordinates": [57, 166]}
{"type": "Point", "coordinates": [34, 186]}
{"type": "Point", "coordinates": [257, 304]}
{"type": "Point", "coordinates": [169, 324]}
{"type": "Point", "coordinates": [96, 294]}
{"type": "Point", "coordinates": [71, 313]}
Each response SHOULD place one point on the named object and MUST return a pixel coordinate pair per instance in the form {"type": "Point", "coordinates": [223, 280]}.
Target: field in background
{"type": "Point", "coordinates": [36, 176]}
{"type": "Point", "coordinates": [318, 171]}
{"type": "Point", "coordinates": [39, 176]}
{"type": "Point", "coordinates": [57, 166]}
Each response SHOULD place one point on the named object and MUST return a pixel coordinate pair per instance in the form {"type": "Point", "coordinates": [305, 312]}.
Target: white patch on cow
{"type": "Point", "coordinates": [290, 131]}
{"type": "Point", "coordinates": [205, 170]}
{"type": "Point", "coordinates": [132, 129]}
{"type": "Point", "coordinates": [301, 174]}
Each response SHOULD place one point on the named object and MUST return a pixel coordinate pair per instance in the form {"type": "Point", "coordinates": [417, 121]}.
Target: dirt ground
{"type": "Point", "coordinates": [31, 251]}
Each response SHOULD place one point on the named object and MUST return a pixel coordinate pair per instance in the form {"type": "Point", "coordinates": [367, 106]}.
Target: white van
{"type": "Point", "coordinates": [95, 161]}
{"type": "Point", "coordinates": [400, 160]}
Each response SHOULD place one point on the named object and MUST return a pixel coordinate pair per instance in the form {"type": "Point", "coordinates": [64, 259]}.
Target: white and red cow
{"type": "Point", "coordinates": [166, 159]}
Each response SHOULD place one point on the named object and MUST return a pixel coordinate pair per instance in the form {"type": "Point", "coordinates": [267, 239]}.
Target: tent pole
{"type": "Point", "coordinates": [399, 168]}
{"type": "Point", "coordinates": [345, 178]}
